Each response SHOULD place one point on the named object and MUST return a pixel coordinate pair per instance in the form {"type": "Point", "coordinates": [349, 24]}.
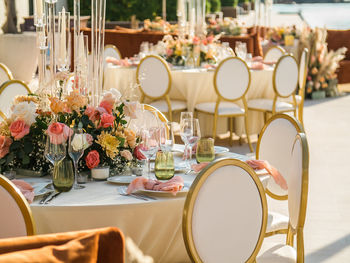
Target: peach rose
{"type": "Point", "coordinates": [19, 129]}
{"type": "Point", "coordinates": [130, 137]}
{"type": "Point", "coordinates": [126, 154]}
{"type": "Point", "coordinates": [57, 105]}
{"type": "Point", "coordinates": [5, 143]}
{"type": "Point", "coordinates": [106, 120]}
{"type": "Point", "coordinates": [92, 159]}
{"type": "Point", "coordinates": [58, 132]}
{"type": "Point", "coordinates": [107, 105]}
{"type": "Point", "coordinates": [131, 109]}
{"type": "Point", "coordinates": [91, 112]}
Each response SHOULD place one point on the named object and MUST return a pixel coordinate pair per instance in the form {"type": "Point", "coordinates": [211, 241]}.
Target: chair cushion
{"type": "Point", "coordinates": [276, 221]}
{"type": "Point", "coordinates": [162, 106]}
{"type": "Point", "coordinates": [290, 100]}
{"type": "Point", "coordinates": [277, 254]}
{"type": "Point", "coordinates": [266, 104]}
{"type": "Point", "coordinates": [225, 108]}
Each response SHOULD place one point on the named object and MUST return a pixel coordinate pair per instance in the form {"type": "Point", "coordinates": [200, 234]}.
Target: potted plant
{"type": "Point", "coordinates": [229, 8]}
{"type": "Point", "coordinates": [245, 5]}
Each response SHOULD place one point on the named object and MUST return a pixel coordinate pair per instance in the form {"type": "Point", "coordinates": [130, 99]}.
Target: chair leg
{"type": "Point", "coordinates": [230, 120]}
{"type": "Point", "coordinates": [300, 246]}
{"type": "Point", "coordinates": [265, 117]}
{"type": "Point", "coordinates": [170, 116]}
{"type": "Point", "coordinates": [290, 237]}
{"type": "Point", "coordinates": [247, 133]}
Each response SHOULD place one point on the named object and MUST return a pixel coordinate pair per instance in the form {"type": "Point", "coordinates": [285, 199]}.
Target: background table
{"type": "Point", "coordinates": [196, 86]}
{"type": "Point", "coordinates": [154, 226]}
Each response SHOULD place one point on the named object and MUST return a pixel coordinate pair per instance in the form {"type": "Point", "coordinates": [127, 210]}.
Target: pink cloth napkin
{"type": "Point", "coordinates": [276, 175]}
{"type": "Point", "coordinates": [26, 189]}
{"type": "Point", "coordinates": [270, 62]}
{"type": "Point", "coordinates": [197, 167]}
{"type": "Point", "coordinates": [257, 66]}
{"type": "Point", "coordinates": [257, 59]}
{"type": "Point", "coordinates": [173, 185]}
{"type": "Point", "coordinates": [120, 62]}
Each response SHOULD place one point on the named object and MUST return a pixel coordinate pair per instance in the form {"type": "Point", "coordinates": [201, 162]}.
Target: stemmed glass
{"type": "Point", "coordinates": [55, 149]}
{"type": "Point", "coordinates": [149, 145]}
{"type": "Point", "coordinates": [190, 134]}
{"type": "Point", "coordinates": [196, 135]}
{"type": "Point", "coordinates": [185, 115]}
{"type": "Point", "coordinates": [166, 133]}
{"type": "Point", "coordinates": [76, 149]}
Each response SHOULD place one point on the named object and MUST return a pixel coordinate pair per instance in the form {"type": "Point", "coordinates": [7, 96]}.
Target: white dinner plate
{"type": "Point", "coordinates": [121, 179]}
{"type": "Point", "coordinates": [218, 149]}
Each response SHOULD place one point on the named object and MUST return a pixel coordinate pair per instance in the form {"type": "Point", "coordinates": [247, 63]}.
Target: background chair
{"type": "Point", "coordinates": [231, 83]}
{"type": "Point", "coordinates": [285, 81]}
{"type": "Point", "coordinates": [297, 202]}
{"type": "Point", "coordinates": [275, 144]}
{"type": "Point", "coordinates": [16, 218]}
{"type": "Point", "coordinates": [303, 66]}
{"type": "Point", "coordinates": [8, 91]}
{"type": "Point", "coordinates": [5, 73]}
{"type": "Point", "coordinates": [111, 51]}
{"type": "Point", "coordinates": [154, 79]}
{"type": "Point", "coordinates": [274, 53]}
{"type": "Point", "coordinates": [232, 231]}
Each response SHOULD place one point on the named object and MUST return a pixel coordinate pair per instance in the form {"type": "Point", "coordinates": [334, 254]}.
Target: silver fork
{"type": "Point", "coordinates": [122, 191]}
{"type": "Point", "coordinates": [139, 194]}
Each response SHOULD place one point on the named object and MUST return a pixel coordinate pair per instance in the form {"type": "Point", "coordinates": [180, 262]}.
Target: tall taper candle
{"type": "Point", "coordinates": [63, 39]}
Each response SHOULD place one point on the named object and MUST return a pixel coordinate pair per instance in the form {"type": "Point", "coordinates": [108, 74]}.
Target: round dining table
{"type": "Point", "coordinates": [153, 225]}
{"type": "Point", "coordinates": [195, 85]}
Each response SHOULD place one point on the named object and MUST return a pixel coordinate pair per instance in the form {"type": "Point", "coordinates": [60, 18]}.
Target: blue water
{"type": "Point", "coordinates": [331, 15]}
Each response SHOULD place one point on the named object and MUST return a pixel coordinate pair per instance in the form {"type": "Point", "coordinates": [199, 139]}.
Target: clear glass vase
{"type": "Point", "coordinates": [63, 175]}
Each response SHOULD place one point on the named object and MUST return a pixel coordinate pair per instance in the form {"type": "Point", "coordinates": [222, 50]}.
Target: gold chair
{"type": "Point", "coordinates": [274, 53]}
{"type": "Point", "coordinates": [231, 82]}
{"type": "Point", "coordinates": [303, 67]}
{"type": "Point", "coordinates": [154, 79]}
{"type": "Point", "coordinates": [275, 144]}
{"type": "Point", "coordinates": [160, 115]}
{"type": "Point", "coordinates": [16, 218]}
{"type": "Point", "coordinates": [8, 91]}
{"type": "Point", "coordinates": [5, 73]}
{"type": "Point", "coordinates": [111, 51]}
{"type": "Point", "coordinates": [285, 81]}
{"type": "Point", "coordinates": [297, 202]}
{"type": "Point", "coordinates": [234, 230]}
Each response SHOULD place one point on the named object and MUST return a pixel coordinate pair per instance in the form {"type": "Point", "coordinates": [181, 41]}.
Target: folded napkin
{"type": "Point", "coordinates": [257, 59]}
{"type": "Point", "coordinates": [173, 185]}
{"type": "Point", "coordinates": [270, 62]}
{"type": "Point", "coordinates": [276, 175]}
{"type": "Point", "coordinates": [198, 167]}
{"type": "Point", "coordinates": [257, 66]}
{"type": "Point", "coordinates": [119, 62]}
{"type": "Point", "coordinates": [26, 189]}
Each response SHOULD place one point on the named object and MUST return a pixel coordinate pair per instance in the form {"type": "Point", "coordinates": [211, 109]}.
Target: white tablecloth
{"type": "Point", "coordinates": [196, 86]}
{"type": "Point", "coordinates": [154, 226]}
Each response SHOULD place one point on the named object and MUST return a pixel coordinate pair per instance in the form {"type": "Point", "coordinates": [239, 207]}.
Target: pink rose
{"type": "Point", "coordinates": [19, 129]}
{"type": "Point", "coordinates": [106, 120]}
{"type": "Point", "coordinates": [5, 143]}
{"type": "Point", "coordinates": [58, 132]}
{"type": "Point", "coordinates": [107, 105]}
{"type": "Point", "coordinates": [91, 113]}
{"type": "Point", "coordinates": [169, 52]}
{"type": "Point", "coordinates": [138, 154]}
{"type": "Point", "coordinates": [196, 41]}
{"type": "Point", "coordinates": [100, 111]}
{"type": "Point", "coordinates": [89, 138]}
{"type": "Point", "coordinates": [126, 154]}
{"type": "Point", "coordinates": [92, 159]}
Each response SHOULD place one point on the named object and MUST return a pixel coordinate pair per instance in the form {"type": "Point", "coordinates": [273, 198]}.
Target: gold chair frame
{"type": "Point", "coordinates": [299, 128]}
{"type": "Point", "coordinates": [193, 193]}
{"type": "Point", "coordinates": [7, 83]}
{"type": "Point", "coordinates": [221, 98]}
{"type": "Point", "coordinates": [21, 202]}
{"type": "Point", "coordinates": [302, 89]}
{"type": "Point", "coordinates": [165, 95]}
{"type": "Point", "coordinates": [274, 47]}
{"type": "Point", "coordinates": [7, 71]}
{"type": "Point", "coordinates": [113, 47]}
{"type": "Point", "coordinates": [277, 94]}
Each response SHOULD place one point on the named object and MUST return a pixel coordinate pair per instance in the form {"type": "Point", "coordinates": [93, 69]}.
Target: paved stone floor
{"type": "Point", "coordinates": [327, 229]}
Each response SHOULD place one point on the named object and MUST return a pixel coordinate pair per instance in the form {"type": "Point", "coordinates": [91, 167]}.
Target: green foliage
{"type": "Point", "coordinates": [233, 3]}
{"type": "Point", "coordinates": [213, 6]}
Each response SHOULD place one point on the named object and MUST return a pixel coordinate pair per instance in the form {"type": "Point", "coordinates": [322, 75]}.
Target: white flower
{"type": "Point", "coordinates": [25, 111]}
{"type": "Point", "coordinates": [112, 95]}
{"type": "Point", "coordinates": [132, 109]}
{"type": "Point", "coordinates": [80, 142]}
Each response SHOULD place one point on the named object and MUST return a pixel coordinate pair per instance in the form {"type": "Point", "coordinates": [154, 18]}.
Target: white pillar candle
{"type": "Point", "coordinates": [81, 48]}
{"type": "Point", "coordinates": [39, 8]}
{"type": "Point", "coordinates": [63, 36]}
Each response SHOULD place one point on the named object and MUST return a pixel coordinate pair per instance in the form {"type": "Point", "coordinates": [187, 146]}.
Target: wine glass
{"type": "Point", "coordinates": [55, 148]}
{"type": "Point", "coordinates": [196, 135]}
{"type": "Point", "coordinates": [149, 145]}
{"type": "Point", "coordinates": [76, 149]}
{"type": "Point", "coordinates": [166, 137]}
{"type": "Point", "coordinates": [185, 115]}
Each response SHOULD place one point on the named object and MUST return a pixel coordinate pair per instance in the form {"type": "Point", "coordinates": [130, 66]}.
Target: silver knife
{"type": "Point", "coordinates": [45, 197]}
{"type": "Point", "coordinates": [52, 197]}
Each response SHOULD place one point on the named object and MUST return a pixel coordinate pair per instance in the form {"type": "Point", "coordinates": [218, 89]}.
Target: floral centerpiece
{"type": "Point", "coordinates": [179, 51]}
{"type": "Point", "coordinates": [322, 64]}
{"type": "Point", "coordinates": [279, 35]}
{"type": "Point", "coordinates": [228, 26]}
{"type": "Point", "coordinates": [158, 24]}
{"type": "Point", "coordinates": [110, 141]}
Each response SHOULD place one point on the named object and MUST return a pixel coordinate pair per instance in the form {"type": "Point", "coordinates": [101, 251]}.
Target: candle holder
{"type": "Point", "coordinates": [76, 6]}
{"type": "Point", "coordinates": [64, 42]}
{"type": "Point", "coordinates": [39, 16]}
{"type": "Point", "coordinates": [82, 67]}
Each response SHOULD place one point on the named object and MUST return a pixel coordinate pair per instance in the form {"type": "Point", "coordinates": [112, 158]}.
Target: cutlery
{"type": "Point", "coordinates": [138, 194]}
{"type": "Point", "coordinates": [123, 193]}
{"type": "Point", "coordinates": [52, 197]}
{"type": "Point", "coordinates": [46, 196]}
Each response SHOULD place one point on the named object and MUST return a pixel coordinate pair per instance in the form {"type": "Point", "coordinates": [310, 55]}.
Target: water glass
{"type": "Point", "coordinates": [205, 150]}
{"type": "Point", "coordinates": [149, 145]}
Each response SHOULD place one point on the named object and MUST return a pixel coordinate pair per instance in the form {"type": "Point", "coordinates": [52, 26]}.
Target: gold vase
{"type": "Point", "coordinates": [63, 175]}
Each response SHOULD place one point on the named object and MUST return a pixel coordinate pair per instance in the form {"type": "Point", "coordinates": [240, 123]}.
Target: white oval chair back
{"type": "Point", "coordinates": [303, 68]}
{"type": "Point", "coordinates": [5, 74]}
{"type": "Point", "coordinates": [274, 54]}
{"type": "Point", "coordinates": [224, 218]}
{"type": "Point", "coordinates": [286, 76]}
{"type": "Point", "coordinates": [16, 218]}
{"type": "Point", "coordinates": [274, 145]}
{"type": "Point", "coordinates": [232, 78]}
{"type": "Point", "coordinates": [111, 51]}
{"type": "Point", "coordinates": [153, 76]}
{"type": "Point", "coordinates": [298, 182]}
{"type": "Point", "coordinates": [8, 91]}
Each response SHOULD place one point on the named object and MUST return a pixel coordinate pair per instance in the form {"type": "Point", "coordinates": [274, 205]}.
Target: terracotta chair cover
{"type": "Point", "coordinates": [105, 245]}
